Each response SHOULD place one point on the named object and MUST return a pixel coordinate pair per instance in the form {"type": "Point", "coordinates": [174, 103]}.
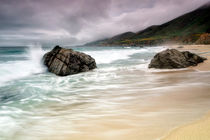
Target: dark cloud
{"type": "Point", "coordinates": [79, 21]}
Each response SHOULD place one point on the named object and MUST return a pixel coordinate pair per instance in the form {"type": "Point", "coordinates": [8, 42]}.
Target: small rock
{"type": "Point", "coordinates": [180, 47]}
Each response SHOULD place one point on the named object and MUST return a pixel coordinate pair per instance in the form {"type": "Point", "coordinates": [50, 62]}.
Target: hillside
{"type": "Point", "coordinates": [186, 29]}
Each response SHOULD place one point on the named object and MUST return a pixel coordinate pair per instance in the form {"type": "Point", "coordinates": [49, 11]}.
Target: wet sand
{"type": "Point", "coordinates": [140, 111]}
{"type": "Point", "coordinates": [147, 118]}
{"type": "Point", "coordinates": [200, 129]}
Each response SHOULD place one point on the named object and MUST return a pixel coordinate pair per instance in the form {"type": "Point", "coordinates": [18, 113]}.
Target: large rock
{"type": "Point", "coordinates": [66, 61]}
{"type": "Point", "coordinates": [174, 59]}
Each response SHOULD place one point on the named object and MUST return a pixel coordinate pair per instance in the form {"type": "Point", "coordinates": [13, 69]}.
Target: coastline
{"type": "Point", "coordinates": [124, 101]}
{"type": "Point", "coordinates": [198, 129]}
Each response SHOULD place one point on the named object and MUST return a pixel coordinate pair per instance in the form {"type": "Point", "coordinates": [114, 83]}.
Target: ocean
{"type": "Point", "coordinates": [121, 99]}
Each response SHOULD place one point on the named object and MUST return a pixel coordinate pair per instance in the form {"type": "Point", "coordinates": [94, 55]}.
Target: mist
{"type": "Point", "coordinates": [72, 22]}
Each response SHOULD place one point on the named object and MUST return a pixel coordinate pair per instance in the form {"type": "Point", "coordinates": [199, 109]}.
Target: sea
{"type": "Point", "coordinates": [120, 99]}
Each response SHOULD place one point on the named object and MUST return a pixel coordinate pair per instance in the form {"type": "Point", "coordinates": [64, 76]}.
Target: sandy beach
{"type": "Point", "coordinates": [200, 129]}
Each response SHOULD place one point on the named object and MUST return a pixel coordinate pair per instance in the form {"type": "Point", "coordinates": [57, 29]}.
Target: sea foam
{"type": "Point", "coordinates": [109, 56]}
{"type": "Point", "coordinates": [12, 70]}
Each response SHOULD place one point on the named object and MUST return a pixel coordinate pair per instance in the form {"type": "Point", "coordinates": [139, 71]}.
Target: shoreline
{"type": "Point", "coordinates": [198, 129]}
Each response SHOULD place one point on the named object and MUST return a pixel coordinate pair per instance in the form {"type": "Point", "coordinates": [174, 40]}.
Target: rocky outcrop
{"type": "Point", "coordinates": [67, 61]}
{"type": "Point", "coordinates": [174, 59]}
{"type": "Point", "coordinates": [204, 39]}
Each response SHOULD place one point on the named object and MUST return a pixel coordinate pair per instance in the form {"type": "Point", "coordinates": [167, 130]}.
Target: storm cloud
{"type": "Point", "coordinates": [70, 22]}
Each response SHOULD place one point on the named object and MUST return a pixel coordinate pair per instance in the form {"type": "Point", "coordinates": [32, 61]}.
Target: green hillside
{"type": "Point", "coordinates": [185, 29]}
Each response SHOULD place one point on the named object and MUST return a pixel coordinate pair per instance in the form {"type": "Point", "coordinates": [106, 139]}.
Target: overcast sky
{"type": "Point", "coordinates": [69, 22]}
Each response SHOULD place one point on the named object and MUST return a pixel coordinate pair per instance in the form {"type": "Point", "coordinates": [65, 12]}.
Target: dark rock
{"type": "Point", "coordinates": [180, 47]}
{"type": "Point", "coordinates": [64, 62]}
{"type": "Point", "coordinates": [174, 59]}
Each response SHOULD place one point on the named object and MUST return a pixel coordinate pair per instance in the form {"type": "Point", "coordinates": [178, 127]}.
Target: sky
{"type": "Point", "coordinates": [73, 22]}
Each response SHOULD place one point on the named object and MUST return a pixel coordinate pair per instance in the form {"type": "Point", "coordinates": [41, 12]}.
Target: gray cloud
{"type": "Point", "coordinates": [78, 21]}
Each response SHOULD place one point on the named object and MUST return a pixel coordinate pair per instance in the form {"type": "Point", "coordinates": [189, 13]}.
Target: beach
{"type": "Point", "coordinates": [199, 129]}
{"type": "Point", "coordinates": [121, 99]}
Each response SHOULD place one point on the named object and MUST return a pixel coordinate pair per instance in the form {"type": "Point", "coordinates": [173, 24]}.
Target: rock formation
{"type": "Point", "coordinates": [174, 59]}
{"type": "Point", "coordinates": [64, 62]}
{"type": "Point", "coordinates": [204, 39]}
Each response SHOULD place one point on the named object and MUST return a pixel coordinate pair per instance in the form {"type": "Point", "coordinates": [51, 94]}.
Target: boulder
{"type": "Point", "coordinates": [62, 62]}
{"type": "Point", "coordinates": [204, 39]}
{"type": "Point", "coordinates": [174, 59]}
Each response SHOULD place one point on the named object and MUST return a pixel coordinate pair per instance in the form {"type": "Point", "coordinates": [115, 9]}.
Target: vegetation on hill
{"type": "Point", "coordinates": [186, 29]}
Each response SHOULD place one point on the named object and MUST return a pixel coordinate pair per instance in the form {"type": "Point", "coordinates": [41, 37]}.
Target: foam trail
{"type": "Point", "coordinates": [109, 56]}
{"type": "Point", "coordinates": [12, 70]}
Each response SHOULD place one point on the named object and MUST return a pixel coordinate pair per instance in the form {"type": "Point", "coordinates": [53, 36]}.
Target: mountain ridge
{"type": "Point", "coordinates": [185, 29]}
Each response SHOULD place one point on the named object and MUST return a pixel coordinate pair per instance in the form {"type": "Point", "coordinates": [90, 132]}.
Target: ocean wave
{"type": "Point", "coordinates": [130, 57]}
{"type": "Point", "coordinates": [12, 70]}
